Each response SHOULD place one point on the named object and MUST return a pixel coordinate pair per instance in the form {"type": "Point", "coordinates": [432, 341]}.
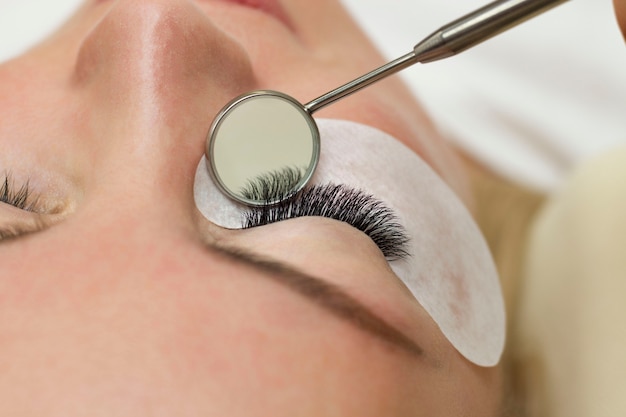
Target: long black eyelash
{"type": "Point", "coordinates": [18, 197]}
{"type": "Point", "coordinates": [340, 202]}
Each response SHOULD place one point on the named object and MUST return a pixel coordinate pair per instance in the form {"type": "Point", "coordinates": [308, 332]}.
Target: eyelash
{"type": "Point", "coordinates": [273, 185]}
{"type": "Point", "coordinates": [19, 197]}
{"type": "Point", "coordinates": [340, 202]}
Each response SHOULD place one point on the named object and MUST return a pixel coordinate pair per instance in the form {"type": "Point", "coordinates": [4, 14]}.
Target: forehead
{"type": "Point", "coordinates": [149, 336]}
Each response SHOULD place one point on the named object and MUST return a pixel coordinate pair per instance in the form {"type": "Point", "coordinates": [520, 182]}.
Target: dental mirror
{"type": "Point", "coordinates": [264, 146]}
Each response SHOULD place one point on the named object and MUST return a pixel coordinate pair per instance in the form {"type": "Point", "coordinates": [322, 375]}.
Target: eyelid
{"type": "Point", "coordinates": [19, 220]}
{"type": "Point", "coordinates": [217, 208]}
{"type": "Point", "coordinates": [15, 230]}
{"type": "Point", "coordinates": [19, 195]}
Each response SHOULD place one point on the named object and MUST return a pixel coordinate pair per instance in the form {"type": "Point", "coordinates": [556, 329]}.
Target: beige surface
{"type": "Point", "coordinates": [571, 339]}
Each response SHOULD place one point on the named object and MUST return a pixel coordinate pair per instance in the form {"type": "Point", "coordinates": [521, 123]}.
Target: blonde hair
{"type": "Point", "coordinates": [504, 212]}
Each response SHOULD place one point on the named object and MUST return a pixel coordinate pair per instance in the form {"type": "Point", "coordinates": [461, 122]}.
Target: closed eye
{"type": "Point", "coordinates": [20, 197]}
{"type": "Point", "coordinates": [343, 203]}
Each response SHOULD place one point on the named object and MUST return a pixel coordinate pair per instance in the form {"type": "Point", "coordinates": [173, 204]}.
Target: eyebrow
{"type": "Point", "coordinates": [319, 291]}
{"type": "Point", "coordinates": [324, 294]}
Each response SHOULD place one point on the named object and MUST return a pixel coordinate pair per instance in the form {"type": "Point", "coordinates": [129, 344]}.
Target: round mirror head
{"type": "Point", "coordinates": [262, 148]}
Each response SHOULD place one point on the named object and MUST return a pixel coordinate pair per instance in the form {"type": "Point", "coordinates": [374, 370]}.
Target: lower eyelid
{"type": "Point", "coordinates": [9, 231]}
{"type": "Point", "coordinates": [15, 222]}
{"type": "Point", "coordinates": [12, 232]}
{"type": "Point", "coordinates": [9, 212]}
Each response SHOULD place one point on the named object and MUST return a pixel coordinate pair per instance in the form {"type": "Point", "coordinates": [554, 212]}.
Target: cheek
{"type": "Point", "coordinates": [254, 345]}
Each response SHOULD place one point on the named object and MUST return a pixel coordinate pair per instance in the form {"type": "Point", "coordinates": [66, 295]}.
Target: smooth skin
{"type": "Point", "coordinates": [124, 304]}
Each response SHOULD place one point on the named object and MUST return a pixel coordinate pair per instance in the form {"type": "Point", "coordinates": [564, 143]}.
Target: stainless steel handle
{"type": "Point", "coordinates": [449, 40]}
{"type": "Point", "coordinates": [479, 26]}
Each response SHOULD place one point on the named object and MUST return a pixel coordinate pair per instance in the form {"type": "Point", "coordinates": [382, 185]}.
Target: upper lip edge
{"type": "Point", "coordinates": [272, 8]}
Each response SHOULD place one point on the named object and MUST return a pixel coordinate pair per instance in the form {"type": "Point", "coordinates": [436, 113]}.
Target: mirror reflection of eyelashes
{"type": "Point", "coordinates": [339, 202]}
{"type": "Point", "coordinates": [273, 185]}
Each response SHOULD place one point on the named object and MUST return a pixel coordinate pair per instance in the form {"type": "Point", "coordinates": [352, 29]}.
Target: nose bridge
{"type": "Point", "coordinates": [152, 74]}
{"type": "Point", "coordinates": [157, 44]}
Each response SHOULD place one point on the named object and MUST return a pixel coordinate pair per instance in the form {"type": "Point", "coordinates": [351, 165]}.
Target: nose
{"type": "Point", "coordinates": [152, 74]}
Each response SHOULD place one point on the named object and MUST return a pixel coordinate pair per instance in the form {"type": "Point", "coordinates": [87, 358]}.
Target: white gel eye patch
{"type": "Point", "coordinates": [450, 271]}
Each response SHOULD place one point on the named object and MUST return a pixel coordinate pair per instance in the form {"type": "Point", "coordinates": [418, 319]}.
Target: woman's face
{"type": "Point", "coordinates": [117, 297]}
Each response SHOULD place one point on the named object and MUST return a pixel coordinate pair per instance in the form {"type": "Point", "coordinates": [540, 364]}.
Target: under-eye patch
{"type": "Point", "coordinates": [449, 269]}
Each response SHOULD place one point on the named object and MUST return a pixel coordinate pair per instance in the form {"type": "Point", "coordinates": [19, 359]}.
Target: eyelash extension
{"type": "Point", "coordinates": [273, 185]}
{"type": "Point", "coordinates": [20, 198]}
{"type": "Point", "coordinates": [339, 202]}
